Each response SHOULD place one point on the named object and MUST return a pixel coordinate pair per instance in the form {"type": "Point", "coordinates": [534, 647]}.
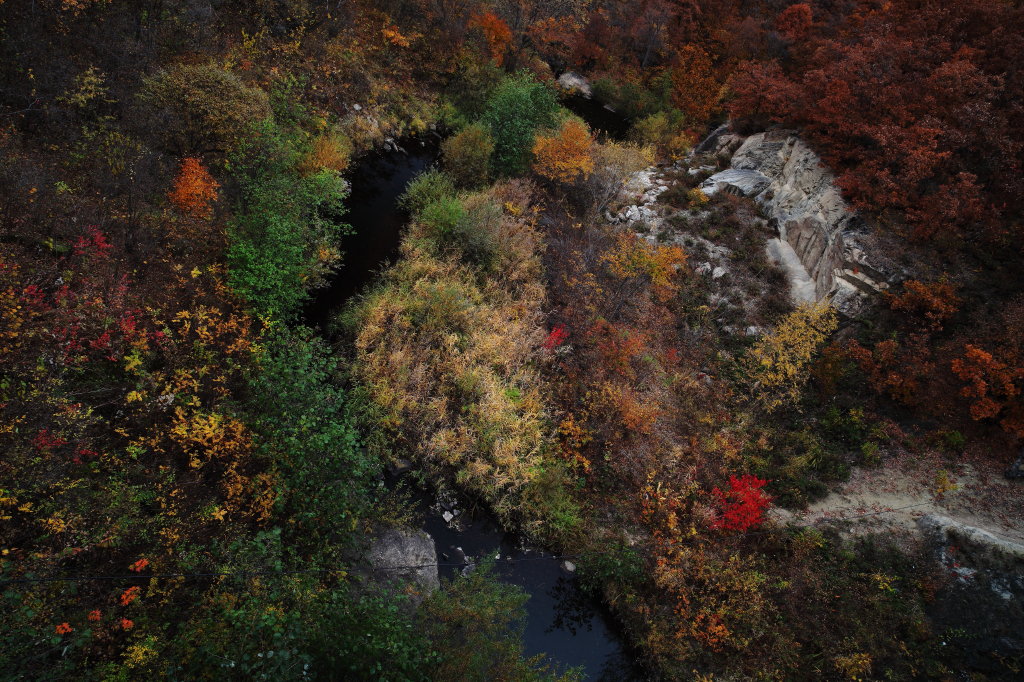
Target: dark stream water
{"type": "Point", "coordinates": [607, 123]}
{"type": "Point", "coordinates": [563, 622]}
{"type": "Point", "coordinates": [569, 626]}
{"type": "Point", "coordinates": [377, 180]}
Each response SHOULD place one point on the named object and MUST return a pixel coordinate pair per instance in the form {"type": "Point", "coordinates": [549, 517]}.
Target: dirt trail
{"type": "Point", "coordinates": [891, 499]}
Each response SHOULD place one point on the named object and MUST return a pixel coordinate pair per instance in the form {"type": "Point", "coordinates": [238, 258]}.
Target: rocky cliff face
{"type": "Point", "coordinates": [798, 193]}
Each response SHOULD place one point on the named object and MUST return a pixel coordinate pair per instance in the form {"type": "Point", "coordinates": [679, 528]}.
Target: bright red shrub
{"type": "Point", "coordinates": [743, 505]}
{"type": "Point", "coordinates": [556, 337]}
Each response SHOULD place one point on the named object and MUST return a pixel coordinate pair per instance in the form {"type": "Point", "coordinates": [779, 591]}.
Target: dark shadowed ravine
{"type": "Point", "coordinates": [605, 122]}
{"type": "Point", "coordinates": [563, 622]}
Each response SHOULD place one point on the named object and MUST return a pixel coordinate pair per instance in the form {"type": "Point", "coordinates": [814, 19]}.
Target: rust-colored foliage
{"type": "Point", "coordinates": [794, 22]}
{"type": "Point", "coordinates": [894, 368]}
{"type": "Point", "coordinates": [497, 34]}
{"type": "Point", "coordinates": [929, 304]}
{"type": "Point", "coordinates": [555, 36]}
{"type": "Point", "coordinates": [993, 386]}
{"type": "Point", "coordinates": [913, 104]}
{"type": "Point", "coordinates": [195, 190]}
{"type": "Point", "coordinates": [695, 88]}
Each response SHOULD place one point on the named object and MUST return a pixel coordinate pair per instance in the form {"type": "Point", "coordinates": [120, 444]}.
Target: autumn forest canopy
{"type": "Point", "coordinates": [581, 332]}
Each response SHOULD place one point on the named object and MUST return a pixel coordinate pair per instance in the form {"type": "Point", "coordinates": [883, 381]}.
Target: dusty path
{"type": "Point", "coordinates": [890, 499]}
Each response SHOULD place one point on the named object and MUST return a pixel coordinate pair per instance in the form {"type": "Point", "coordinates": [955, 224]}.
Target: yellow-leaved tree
{"type": "Point", "coordinates": [776, 366]}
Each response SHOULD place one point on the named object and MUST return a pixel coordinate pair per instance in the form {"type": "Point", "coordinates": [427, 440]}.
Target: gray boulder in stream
{"type": "Point", "coordinates": [405, 555]}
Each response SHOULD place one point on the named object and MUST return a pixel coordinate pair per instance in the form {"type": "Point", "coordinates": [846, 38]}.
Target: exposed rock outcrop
{"type": "Point", "coordinates": [748, 183]}
{"type": "Point", "coordinates": [405, 555]}
{"type": "Point", "coordinates": [575, 83]}
{"type": "Point", "coordinates": [984, 592]}
{"type": "Point", "coordinates": [802, 288]}
{"type": "Point", "coordinates": [799, 195]}
{"type": "Point", "coordinates": [979, 547]}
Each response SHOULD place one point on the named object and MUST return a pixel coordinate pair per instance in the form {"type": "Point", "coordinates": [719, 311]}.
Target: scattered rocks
{"type": "Point", "coordinates": [447, 501]}
{"type": "Point", "coordinates": [643, 188]}
{"type": "Point", "coordinates": [639, 214]}
{"type": "Point", "coordinates": [460, 557]}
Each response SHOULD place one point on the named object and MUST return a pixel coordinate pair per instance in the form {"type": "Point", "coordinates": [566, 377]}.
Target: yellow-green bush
{"type": "Point", "coordinates": [201, 108]}
{"type": "Point", "coordinates": [467, 155]}
{"type": "Point", "coordinates": [665, 132]}
{"type": "Point", "coordinates": [447, 357]}
{"type": "Point", "coordinates": [332, 151]}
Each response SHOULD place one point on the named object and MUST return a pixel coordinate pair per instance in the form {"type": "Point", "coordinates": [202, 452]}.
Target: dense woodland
{"type": "Point", "coordinates": [173, 188]}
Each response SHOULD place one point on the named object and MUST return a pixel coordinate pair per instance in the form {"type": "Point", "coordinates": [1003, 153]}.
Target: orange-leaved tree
{"type": "Point", "coordinates": [694, 86]}
{"type": "Point", "coordinates": [994, 386]}
{"type": "Point", "coordinates": [929, 305]}
{"type": "Point", "coordinates": [497, 34]}
{"type": "Point", "coordinates": [635, 264]}
{"type": "Point", "coordinates": [566, 155]}
{"type": "Point", "coordinates": [195, 189]}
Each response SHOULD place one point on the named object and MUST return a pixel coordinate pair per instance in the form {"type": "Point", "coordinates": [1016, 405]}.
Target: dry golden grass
{"type": "Point", "coordinates": [448, 356]}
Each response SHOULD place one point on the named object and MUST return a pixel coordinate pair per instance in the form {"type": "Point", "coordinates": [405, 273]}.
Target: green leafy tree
{"type": "Point", "coordinates": [515, 111]}
{"type": "Point", "coordinates": [476, 622]}
{"type": "Point", "coordinates": [426, 188]}
{"type": "Point", "coordinates": [294, 627]}
{"type": "Point", "coordinates": [306, 429]}
{"type": "Point", "coordinates": [282, 237]}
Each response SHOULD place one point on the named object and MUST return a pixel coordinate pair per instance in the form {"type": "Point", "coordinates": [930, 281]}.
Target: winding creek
{"type": "Point", "coordinates": [563, 622]}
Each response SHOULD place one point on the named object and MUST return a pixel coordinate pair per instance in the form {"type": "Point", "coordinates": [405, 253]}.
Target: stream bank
{"type": "Point", "coordinates": [565, 623]}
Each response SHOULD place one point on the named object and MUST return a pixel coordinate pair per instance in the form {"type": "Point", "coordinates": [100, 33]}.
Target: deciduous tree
{"type": "Point", "coordinates": [565, 156]}
{"type": "Point", "coordinates": [695, 88]}
{"type": "Point", "coordinates": [195, 190]}
{"type": "Point", "coordinates": [776, 366]}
